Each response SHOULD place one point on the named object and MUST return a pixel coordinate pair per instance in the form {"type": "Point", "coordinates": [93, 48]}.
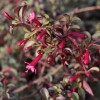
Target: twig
{"type": "Point", "coordinates": [39, 80]}
{"type": "Point", "coordinates": [81, 10]}
{"type": "Point", "coordinates": [31, 95]}
{"type": "Point", "coordinates": [86, 9]}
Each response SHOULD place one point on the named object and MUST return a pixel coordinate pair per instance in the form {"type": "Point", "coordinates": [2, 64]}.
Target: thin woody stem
{"type": "Point", "coordinates": [39, 80]}
{"type": "Point", "coordinates": [77, 10]}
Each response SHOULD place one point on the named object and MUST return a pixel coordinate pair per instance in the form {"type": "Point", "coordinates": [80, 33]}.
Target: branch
{"type": "Point", "coordinates": [86, 9]}
{"type": "Point", "coordinates": [81, 10]}
{"type": "Point", "coordinates": [39, 80]}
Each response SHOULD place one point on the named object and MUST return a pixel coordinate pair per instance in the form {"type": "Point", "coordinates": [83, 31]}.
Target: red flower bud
{"type": "Point", "coordinates": [77, 35]}
{"type": "Point", "coordinates": [73, 78]}
{"type": "Point", "coordinates": [9, 50]}
{"type": "Point", "coordinates": [62, 43]}
{"type": "Point", "coordinates": [67, 24]}
{"type": "Point", "coordinates": [86, 57]}
{"type": "Point", "coordinates": [39, 36]}
{"type": "Point", "coordinates": [22, 42]}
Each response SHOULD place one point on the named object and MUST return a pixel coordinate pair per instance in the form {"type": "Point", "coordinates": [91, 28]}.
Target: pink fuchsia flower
{"type": "Point", "coordinates": [31, 66]}
{"type": "Point", "coordinates": [86, 57]}
{"type": "Point", "coordinates": [32, 17]}
{"type": "Point", "coordinates": [8, 16]}
{"type": "Point", "coordinates": [77, 35]}
{"type": "Point", "coordinates": [40, 35]}
{"type": "Point", "coordinates": [62, 43]}
{"type": "Point", "coordinates": [73, 78]}
{"type": "Point", "coordinates": [22, 42]}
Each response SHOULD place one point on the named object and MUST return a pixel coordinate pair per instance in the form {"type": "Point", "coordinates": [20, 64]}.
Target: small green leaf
{"type": "Point", "coordinates": [81, 93]}
{"type": "Point", "coordinates": [27, 35]}
{"type": "Point", "coordinates": [29, 43]}
{"type": "Point", "coordinates": [46, 16]}
{"type": "Point", "coordinates": [15, 21]}
{"type": "Point", "coordinates": [1, 84]}
{"type": "Point", "coordinates": [21, 13]}
{"type": "Point", "coordinates": [60, 97]}
{"type": "Point", "coordinates": [75, 27]}
{"type": "Point", "coordinates": [64, 17]}
{"type": "Point", "coordinates": [96, 35]}
{"type": "Point", "coordinates": [11, 29]}
{"type": "Point", "coordinates": [87, 34]}
{"type": "Point", "coordinates": [11, 85]}
{"type": "Point", "coordinates": [75, 96]}
{"type": "Point", "coordinates": [1, 73]}
{"type": "Point", "coordinates": [14, 71]}
{"type": "Point", "coordinates": [8, 96]}
{"type": "Point", "coordinates": [76, 19]}
{"type": "Point", "coordinates": [1, 90]}
{"type": "Point", "coordinates": [45, 22]}
{"type": "Point", "coordinates": [45, 93]}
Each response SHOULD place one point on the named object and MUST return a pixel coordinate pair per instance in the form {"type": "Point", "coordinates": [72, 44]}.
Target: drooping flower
{"type": "Point", "coordinates": [22, 42]}
{"type": "Point", "coordinates": [77, 35]}
{"type": "Point", "coordinates": [32, 17]}
{"type": "Point", "coordinates": [31, 65]}
{"type": "Point", "coordinates": [86, 57]}
{"type": "Point", "coordinates": [39, 36]}
{"type": "Point", "coordinates": [62, 43]}
{"type": "Point", "coordinates": [73, 78]}
{"type": "Point", "coordinates": [8, 16]}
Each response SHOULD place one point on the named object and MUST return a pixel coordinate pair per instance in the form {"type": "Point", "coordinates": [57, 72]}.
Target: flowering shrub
{"type": "Point", "coordinates": [57, 42]}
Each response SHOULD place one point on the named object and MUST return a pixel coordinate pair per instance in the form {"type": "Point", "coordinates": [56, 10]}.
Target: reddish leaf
{"type": "Point", "coordinates": [74, 41]}
{"type": "Point", "coordinates": [8, 16]}
{"type": "Point", "coordinates": [22, 12]}
{"type": "Point", "coordinates": [77, 35]}
{"type": "Point", "coordinates": [87, 88]}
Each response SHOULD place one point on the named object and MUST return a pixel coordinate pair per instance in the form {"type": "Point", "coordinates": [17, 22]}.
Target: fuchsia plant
{"type": "Point", "coordinates": [57, 39]}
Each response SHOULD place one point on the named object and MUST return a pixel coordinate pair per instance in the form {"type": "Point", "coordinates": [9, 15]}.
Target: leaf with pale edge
{"type": "Point", "coordinates": [87, 88]}
{"type": "Point", "coordinates": [45, 93]}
